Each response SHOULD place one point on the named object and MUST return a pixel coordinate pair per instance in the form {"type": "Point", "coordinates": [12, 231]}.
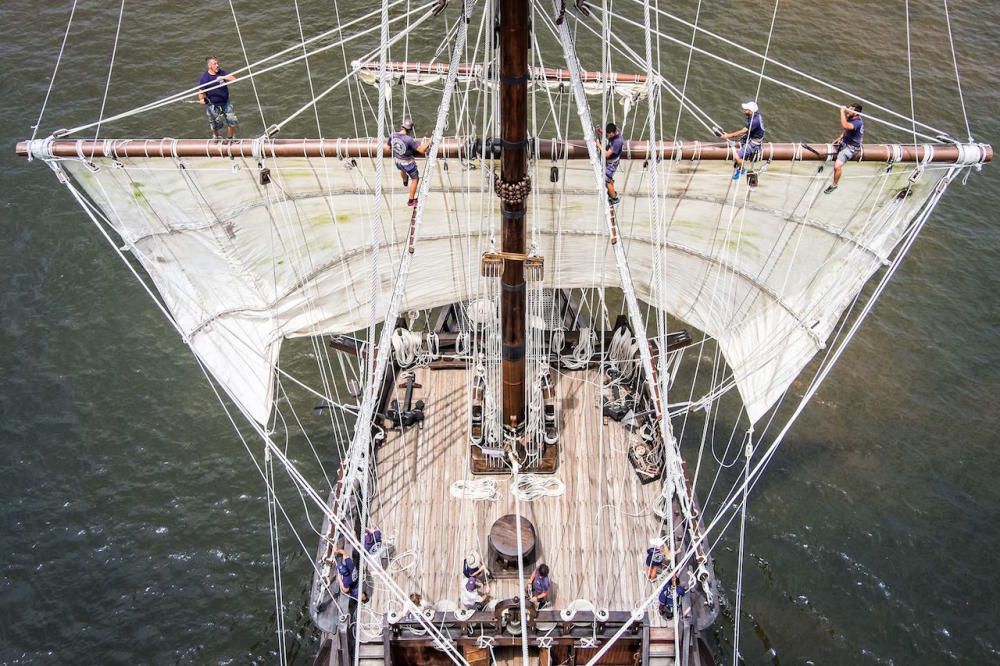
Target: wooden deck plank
{"type": "Point", "coordinates": [594, 549]}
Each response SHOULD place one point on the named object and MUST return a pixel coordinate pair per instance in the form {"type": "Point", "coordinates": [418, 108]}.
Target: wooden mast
{"type": "Point", "coordinates": [513, 35]}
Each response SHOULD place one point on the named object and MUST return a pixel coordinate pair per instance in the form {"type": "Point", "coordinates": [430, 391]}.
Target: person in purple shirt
{"type": "Point", "coordinates": [347, 574]}
{"type": "Point", "coordinates": [404, 148]}
{"type": "Point", "coordinates": [612, 154]}
{"type": "Point", "coordinates": [751, 137]}
{"type": "Point", "coordinates": [218, 108]}
{"type": "Point", "coordinates": [849, 142]}
{"type": "Point", "coordinates": [539, 586]}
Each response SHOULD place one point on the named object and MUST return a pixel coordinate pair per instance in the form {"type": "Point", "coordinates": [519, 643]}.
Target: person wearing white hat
{"type": "Point", "coordinates": [472, 566]}
{"type": "Point", "coordinates": [657, 556]}
{"type": "Point", "coordinates": [404, 147]}
{"type": "Point", "coordinates": [751, 137]}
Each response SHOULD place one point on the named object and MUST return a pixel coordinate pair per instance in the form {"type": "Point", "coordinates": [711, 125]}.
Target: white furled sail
{"type": "Point", "coordinates": [627, 87]}
{"type": "Point", "coordinates": [242, 265]}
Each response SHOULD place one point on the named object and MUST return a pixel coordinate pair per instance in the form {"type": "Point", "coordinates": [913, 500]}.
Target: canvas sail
{"type": "Point", "coordinates": [243, 265]}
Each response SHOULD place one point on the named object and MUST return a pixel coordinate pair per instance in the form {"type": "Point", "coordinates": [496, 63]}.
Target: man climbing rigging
{"type": "Point", "coordinates": [751, 137]}
{"type": "Point", "coordinates": [657, 556]}
{"type": "Point", "coordinates": [667, 599]}
{"type": "Point", "coordinates": [218, 108]}
{"type": "Point", "coordinates": [849, 142]}
{"type": "Point", "coordinates": [347, 573]}
{"type": "Point", "coordinates": [612, 154]}
{"type": "Point", "coordinates": [404, 147]}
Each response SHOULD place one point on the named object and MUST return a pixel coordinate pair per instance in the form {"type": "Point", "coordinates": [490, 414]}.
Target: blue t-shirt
{"type": "Point", "coordinates": [373, 540]}
{"type": "Point", "coordinates": [346, 569]}
{"type": "Point", "coordinates": [755, 127]}
{"type": "Point", "coordinates": [615, 145]}
{"type": "Point", "coordinates": [404, 147]}
{"type": "Point", "coordinates": [219, 95]}
{"type": "Point", "coordinates": [855, 135]}
{"type": "Point", "coordinates": [665, 598]}
{"type": "Point", "coordinates": [654, 556]}
{"type": "Point", "coordinates": [540, 585]}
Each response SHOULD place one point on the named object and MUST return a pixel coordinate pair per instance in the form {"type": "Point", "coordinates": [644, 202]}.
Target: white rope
{"type": "Point", "coordinates": [305, 55]}
{"type": "Point", "coordinates": [821, 375]}
{"type": "Point", "coordinates": [529, 487]}
{"type": "Point", "coordinates": [788, 68]}
{"type": "Point", "coordinates": [107, 84]}
{"type": "Point", "coordinates": [246, 59]}
{"type": "Point", "coordinates": [375, 223]}
{"type": "Point", "coordinates": [272, 529]}
{"type": "Point", "coordinates": [958, 80]}
{"type": "Point", "coordinates": [520, 566]}
{"type": "Point", "coordinates": [182, 95]}
{"type": "Point", "coordinates": [739, 566]}
{"type": "Point", "coordinates": [358, 457]}
{"type": "Point", "coordinates": [767, 48]}
{"type": "Point", "coordinates": [55, 70]}
{"type": "Point", "coordinates": [909, 72]}
{"type": "Point", "coordinates": [477, 490]}
{"type": "Point", "coordinates": [312, 103]}
{"type": "Point", "coordinates": [789, 86]}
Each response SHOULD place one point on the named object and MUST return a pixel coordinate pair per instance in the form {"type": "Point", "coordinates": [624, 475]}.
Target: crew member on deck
{"type": "Point", "coordinates": [751, 137]}
{"type": "Point", "coordinates": [657, 556]}
{"type": "Point", "coordinates": [218, 108]}
{"type": "Point", "coordinates": [539, 586]}
{"type": "Point", "coordinates": [404, 147]}
{"type": "Point", "coordinates": [472, 566]}
{"type": "Point", "coordinates": [612, 154]}
{"type": "Point", "coordinates": [347, 573]}
{"type": "Point", "coordinates": [373, 541]}
{"type": "Point", "coordinates": [475, 595]}
{"type": "Point", "coordinates": [667, 599]}
{"type": "Point", "coordinates": [849, 142]}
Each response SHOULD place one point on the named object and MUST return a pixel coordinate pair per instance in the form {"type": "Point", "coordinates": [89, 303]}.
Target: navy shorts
{"type": "Point", "coordinates": [409, 168]}
{"type": "Point", "coordinates": [609, 172]}
{"type": "Point", "coordinates": [221, 115]}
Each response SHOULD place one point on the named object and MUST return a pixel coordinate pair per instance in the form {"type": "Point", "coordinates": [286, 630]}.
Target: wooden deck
{"type": "Point", "coordinates": [594, 537]}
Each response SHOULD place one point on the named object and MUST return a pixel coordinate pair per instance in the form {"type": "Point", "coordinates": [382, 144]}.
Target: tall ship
{"type": "Point", "coordinates": [523, 362]}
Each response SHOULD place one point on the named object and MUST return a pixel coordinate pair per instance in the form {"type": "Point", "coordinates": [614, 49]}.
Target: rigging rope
{"type": "Point", "coordinates": [821, 375]}
{"type": "Point", "coordinates": [767, 48]}
{"type": "Point", "coordinates": [182, 95]}
{"type": "Point", "coordinates": [739, 566]}
{"type": "Point", "coordinates": [958, 80]}
{"type": "Point", "coordinates": [909, 72]}
{"type": "Point", "coordinates": [111, 68]}
{"type": "Point", "coordinates": [529, 487]}
{"type": "Point", "coordinates": [789, 86]}
{"type": "Point", "coordinates": [55, 70]}
{"type": "Point", "coordinates": [788, 68]}
{"type": "Point", "coordinates": [246, 58]}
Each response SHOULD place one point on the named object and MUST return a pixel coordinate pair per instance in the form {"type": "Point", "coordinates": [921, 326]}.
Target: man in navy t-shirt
{"type": "Point", "coordinates": [215, 97]}
{"type": "Point", "coordinates": [849, 142]}
{"type": "Point", "coordinates": [612, 154]}
{"type": "Point", "coordinates": [404, 147]}
{"type": "Point", "coordinates": [539, 586]}
{"type": "Point", "coordinates": [347, 573]}
{"type": "Point", "coordinates": [751, 137]}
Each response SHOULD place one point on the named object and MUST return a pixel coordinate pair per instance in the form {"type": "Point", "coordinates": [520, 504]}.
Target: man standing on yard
{"type": "Point", "coordinates": [215, 97]}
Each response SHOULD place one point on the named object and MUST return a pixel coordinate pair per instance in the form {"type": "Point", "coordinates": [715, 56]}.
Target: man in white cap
{"type": "Point", "coordinates": [751, 137]}
{"type": "Point", "coordinates": [404, 147]}
{"type": "Point", "coordinates": [472, 566]}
